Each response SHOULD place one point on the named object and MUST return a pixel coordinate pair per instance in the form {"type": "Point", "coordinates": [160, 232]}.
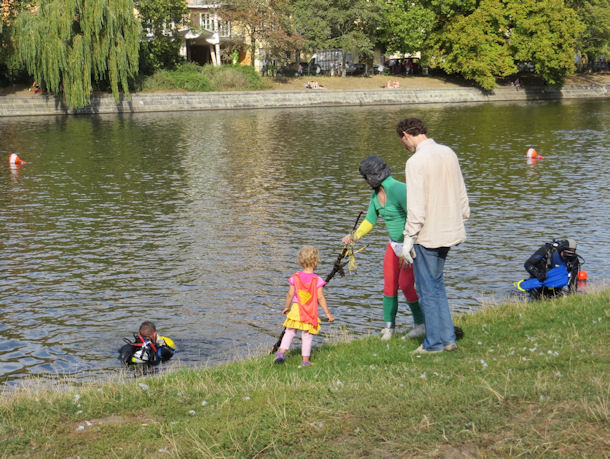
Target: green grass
{"type": "Point", "coordinates": [529, 379]}
{"type": "Point", "coordinates": [196, 78]}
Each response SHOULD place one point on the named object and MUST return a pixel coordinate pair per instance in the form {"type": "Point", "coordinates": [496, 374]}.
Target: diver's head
{"type": "Point", "coordinates": [567, 248]}
{"type": "Point", "coordinates": [148, 330]}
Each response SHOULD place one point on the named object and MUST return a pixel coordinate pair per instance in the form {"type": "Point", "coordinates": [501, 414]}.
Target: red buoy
{"type": "Point", "coordinates": [533, 154]}
{"type": "Point", "coordinates": [14, 159]}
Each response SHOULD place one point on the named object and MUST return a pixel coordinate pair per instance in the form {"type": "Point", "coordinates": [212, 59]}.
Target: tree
{"type": "Point", "coordinates": [68, 45]}
{"type": "Point", "coordinates": [594, 41]}
{"type": "Point", "coordinates": [161, 41]}
{"type": "Point", "coordinates": [353, 25]}
{"type": "Point", "coordinates": [476, 45]}
{"type": "Point", "coordinates": [544, 33]}
{"type": "Point", "coordinates": [339, 24]}
{"type": "Point", "coordinates": [484, 39]}
{"type": "Point", "coordinates": [405, 26]}
{"type": "Point", "coordinates": [311, 23]}
{"type": "Point", "coordinates": [266, 21]}
{"type": "Point", "coordinates": [9, 66]}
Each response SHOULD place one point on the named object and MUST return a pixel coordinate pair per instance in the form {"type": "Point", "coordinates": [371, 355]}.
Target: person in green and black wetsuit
{"type": "Point", "coordinates": [389, 199]}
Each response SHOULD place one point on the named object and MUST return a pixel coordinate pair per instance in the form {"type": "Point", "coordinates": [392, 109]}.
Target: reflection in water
{"type": "Point", "coordinates": [193, 220]}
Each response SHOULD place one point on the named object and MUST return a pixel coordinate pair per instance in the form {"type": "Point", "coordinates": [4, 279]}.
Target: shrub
{"type": "Point", "coordinates": [192, 77]}
{"type": "Point", "coordinates": [186, 78]}
{"type": "Point", "coordinates": [233, 77]}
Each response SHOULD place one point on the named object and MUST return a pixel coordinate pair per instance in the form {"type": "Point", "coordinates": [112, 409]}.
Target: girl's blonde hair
{"type": "Point", "coordinates": [309, 257]}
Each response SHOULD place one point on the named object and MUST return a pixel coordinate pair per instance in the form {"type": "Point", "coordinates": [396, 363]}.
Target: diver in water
{"type": "Point", "coordinates": [553, 269]}
{"type": "Point", "coordinates": [148, 348]}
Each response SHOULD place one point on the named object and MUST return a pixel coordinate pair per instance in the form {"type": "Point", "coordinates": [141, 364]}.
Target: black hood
{"type": "Point", "coordinates": [375, 170]}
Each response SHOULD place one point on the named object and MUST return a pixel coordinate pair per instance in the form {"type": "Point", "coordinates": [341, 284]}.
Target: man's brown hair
{"type": "Point", "coordinates": [412, 126]}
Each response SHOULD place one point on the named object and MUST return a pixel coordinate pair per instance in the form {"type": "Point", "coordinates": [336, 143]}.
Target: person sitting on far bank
{"type": "Point", "coordinates": [553, 269]}
{"type": "Point", "coordinates": [148, 348]}
{"type": "Point", "coordinates": [35, 88]}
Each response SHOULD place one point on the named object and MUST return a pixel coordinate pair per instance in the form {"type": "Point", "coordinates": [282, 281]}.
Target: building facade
{"type": "Point", "coordinates": [209, 39]}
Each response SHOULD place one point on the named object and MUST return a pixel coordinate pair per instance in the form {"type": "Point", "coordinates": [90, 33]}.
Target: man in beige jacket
{"type": "Point", "coordinates": [437, 207]}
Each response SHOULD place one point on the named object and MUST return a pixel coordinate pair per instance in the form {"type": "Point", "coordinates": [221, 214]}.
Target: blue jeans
{"type": "Point", "coordinates": [428, 267]}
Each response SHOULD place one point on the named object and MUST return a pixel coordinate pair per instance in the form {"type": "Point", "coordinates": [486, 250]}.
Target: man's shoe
{"type": "Point", "coordinates": [421, 350]}
{"type": "Point", "coordinates": [386, 334]}
{"type": "Point", "coordinates": [451, 347]}
{"type": "Point", "coordinates": [417, 331]}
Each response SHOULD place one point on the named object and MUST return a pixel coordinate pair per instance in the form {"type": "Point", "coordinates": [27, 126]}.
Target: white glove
{"type": "Point", "coordinates": [407, 250]}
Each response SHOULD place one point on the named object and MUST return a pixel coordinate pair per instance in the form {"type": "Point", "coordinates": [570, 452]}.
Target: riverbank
{"type": "Point", "coordinates": [291, 93]}
{"type": "Point", "coordinates": [528, 379]}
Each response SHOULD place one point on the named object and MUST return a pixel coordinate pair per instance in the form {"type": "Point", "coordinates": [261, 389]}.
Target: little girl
{"type": "Point", "coordinates": [305, 293]}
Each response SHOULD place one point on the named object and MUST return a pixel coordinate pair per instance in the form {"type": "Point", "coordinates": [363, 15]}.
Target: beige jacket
{"type": "Point", "coordinates": [437, 203]}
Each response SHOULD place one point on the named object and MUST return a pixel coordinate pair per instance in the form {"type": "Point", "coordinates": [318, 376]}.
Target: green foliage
{"type": "Point", "coordinates": [66, 45]}
{"type": "Point", "coordinates": [406, 26]}
{"type": "Point", "coordinates": [11, 69]}
{"type": "Point", "coordinates": [482, 40]}
{"type": "Point", "coordinates": [341, 24]}
{"type": "Point", "coordinates": [269, 22]}
{"type": "Point", "coordinates": [314, 28]}
{"type": "Point", "coordinates": [233, 77]}
{"type": "Point", "coordinates": [195, 78]}
{"type": "Point", "coordinates": [159, 53]}
{"type": "Point", "coordinates": [594, 41]}
{"type": "Point", "coordinates": [161, 41]}
{"type": "Point", "coordinates": [446, 9]}
{"type": "Point", "coordinates": [188, 77]}
{"type": "Point", "coordinates": [544, 33]}
{"type": "Point", "coordinates": [475, 46]}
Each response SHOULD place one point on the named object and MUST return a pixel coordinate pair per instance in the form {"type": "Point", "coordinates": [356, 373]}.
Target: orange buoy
{"type": "Point", "coordinates": [533, 154]}
{"type": "Point", "coordinates": [582, 275]}
{"type": "Point", "coordinates": [14, 159]}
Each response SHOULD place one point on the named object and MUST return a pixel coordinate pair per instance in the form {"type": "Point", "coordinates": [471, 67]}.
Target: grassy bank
{"type": "Point", "coordinates": [191, 77]}
{"type": "Point", "coordinates": [528, 379]}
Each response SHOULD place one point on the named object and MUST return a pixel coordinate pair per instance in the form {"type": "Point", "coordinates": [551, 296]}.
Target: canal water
{"type": "Point", "coordinates": [193, 220]}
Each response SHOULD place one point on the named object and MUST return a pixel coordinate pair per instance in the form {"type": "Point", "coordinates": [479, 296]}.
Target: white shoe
{"type": "Point", "coordinates": [386, 334]}
{"type": "Point", "coordinates": [417, 331]}
{"type": "Point", "coordinates": [421, 350]}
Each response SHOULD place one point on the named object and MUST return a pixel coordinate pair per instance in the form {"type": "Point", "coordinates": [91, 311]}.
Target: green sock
{"type": "Point", "coordinates": [390, 308]}
{"type": "Point", "coordinates": [418, 316]}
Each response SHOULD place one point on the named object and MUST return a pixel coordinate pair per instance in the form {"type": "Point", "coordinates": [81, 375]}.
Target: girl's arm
{"type": "Point", "coordinates": [289, 297]}
{"type": "Point", "coordinates": [322, 302]}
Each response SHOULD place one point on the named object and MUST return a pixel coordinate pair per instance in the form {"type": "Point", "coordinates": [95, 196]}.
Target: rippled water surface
{"type": "Point", "coordinates": [193, 220]}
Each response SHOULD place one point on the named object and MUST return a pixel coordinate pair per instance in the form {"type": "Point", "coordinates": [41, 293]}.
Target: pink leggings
{"type": "Point", "coordinates": [306, 340]}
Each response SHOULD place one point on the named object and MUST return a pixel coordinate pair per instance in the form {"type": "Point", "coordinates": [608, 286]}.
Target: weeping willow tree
{"type": "Point", "coordinates": [67, 45]}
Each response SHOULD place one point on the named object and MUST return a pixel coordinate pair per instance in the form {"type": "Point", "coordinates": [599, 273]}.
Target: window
{"type": "Point", "coordinates": [224, 28]}
{"type": "Point", "coordinates": [209, 22]}
{"type": "Point", "coordinates": [206, 21]}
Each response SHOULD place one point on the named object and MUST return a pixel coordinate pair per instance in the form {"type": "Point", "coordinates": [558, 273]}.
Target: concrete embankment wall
{"type": "Point", "coordinates": [166, 102]}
